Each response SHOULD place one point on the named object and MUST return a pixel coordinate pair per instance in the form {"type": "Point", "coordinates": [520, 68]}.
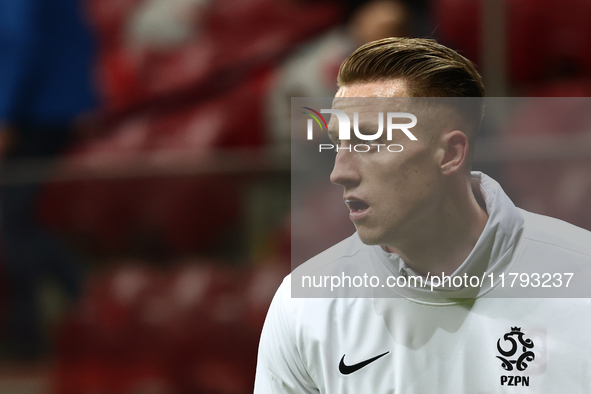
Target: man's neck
{"type": "Point", "coordinates": [443, 244]}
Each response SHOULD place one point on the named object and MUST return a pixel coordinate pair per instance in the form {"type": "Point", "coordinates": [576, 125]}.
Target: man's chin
{"type": "Point", "coordinates": [369, 239]}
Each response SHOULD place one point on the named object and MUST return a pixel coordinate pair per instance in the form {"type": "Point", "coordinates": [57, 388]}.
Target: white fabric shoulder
{"type": "Point", "coordinates": [544, 229]}
{"type": "Point", "coordinates": [279, 366]}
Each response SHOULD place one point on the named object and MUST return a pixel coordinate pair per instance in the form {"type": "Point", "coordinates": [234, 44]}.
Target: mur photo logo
{"type": "Point", "coordinates": [369, 142]}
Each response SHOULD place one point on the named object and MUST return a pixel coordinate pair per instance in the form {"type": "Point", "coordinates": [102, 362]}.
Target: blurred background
{"type": "Point", "coordinates": [145, 167]}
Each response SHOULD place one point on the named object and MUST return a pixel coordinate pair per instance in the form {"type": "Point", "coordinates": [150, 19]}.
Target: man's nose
{"type": "Point", "coordinates": [345, 171]}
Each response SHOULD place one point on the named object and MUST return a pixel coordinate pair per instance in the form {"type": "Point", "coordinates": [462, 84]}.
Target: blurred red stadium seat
{"type": "Point", "coordinates": [544, 38]}
{"type": "Point", "coordinates": [186, 330]}
{"type": "Point", "coordinates": [171, 210]}
{"type": "Point", "coordinates": [235, 35]}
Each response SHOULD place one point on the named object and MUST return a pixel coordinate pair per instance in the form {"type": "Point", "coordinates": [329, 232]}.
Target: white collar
{"type": "Point", "coordinates": [492, 253]}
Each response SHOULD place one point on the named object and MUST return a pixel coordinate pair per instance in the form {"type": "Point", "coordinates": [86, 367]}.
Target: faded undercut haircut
{"type": "Point", "coordinates": [429, 68]}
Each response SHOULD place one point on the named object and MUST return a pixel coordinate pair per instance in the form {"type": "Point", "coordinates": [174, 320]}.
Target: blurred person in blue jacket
{"type": "Point", "coordinates": [45, 85]}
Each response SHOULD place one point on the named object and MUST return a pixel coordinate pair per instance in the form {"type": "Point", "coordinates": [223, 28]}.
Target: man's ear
{"type": "Point", "coordinates": [456, 145]}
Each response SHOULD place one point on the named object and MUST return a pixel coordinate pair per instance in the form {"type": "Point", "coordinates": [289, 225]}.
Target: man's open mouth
{"type": "Point", "coordinates": [356, 205]}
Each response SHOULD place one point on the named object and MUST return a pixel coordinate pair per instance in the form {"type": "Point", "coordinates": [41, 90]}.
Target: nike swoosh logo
{"type": "Point", "coordinates": [347, 369]}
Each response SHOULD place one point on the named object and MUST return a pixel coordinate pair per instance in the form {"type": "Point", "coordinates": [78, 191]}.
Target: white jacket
{"type": "Point", "coordinates": [487, 338]}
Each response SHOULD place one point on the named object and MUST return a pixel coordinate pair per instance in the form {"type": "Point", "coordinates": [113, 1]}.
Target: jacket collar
{"type": "Point", "coordinates": [491, 256]}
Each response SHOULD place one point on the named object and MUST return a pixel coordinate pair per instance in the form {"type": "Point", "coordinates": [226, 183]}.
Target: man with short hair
{"type": "Point", "coordinates": [420, 213]}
